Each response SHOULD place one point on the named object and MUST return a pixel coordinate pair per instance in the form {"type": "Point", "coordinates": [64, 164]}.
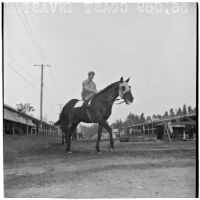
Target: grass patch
{"type": "Point", "coordinates": [16, 146]}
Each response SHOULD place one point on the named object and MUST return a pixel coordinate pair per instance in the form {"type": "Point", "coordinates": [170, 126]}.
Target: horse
{"type": "Point", "coordinates": [98, 111]}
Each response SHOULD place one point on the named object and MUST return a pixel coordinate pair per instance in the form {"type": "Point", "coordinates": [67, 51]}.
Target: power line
{"type": "Point", "coordinates": [37, 42]}
{"type": "Point", "coordinates": [9, 55]}
{"type": "Point", "coordinates": [33, 37]}
{"type": "Point", "coordinates": [30, 31]}
{"type": "Point", "coordinates": [22, 77]}
{"type": "Point", "coordinates": [20, 45]}
{"type": "Point", "coordinates": [54, 87]}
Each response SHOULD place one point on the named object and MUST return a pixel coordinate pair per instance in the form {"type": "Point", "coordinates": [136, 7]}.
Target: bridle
{"type": "Point", "coordinates": [119, 102]}
{"type": "Point", "coordinates": [121, 94]}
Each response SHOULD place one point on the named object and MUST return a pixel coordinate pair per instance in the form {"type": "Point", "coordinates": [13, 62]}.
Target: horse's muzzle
{"type": "Point", "coordinates": [128, 98]}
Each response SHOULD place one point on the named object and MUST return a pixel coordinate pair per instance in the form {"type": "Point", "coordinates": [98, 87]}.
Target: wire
{"type": "Point", "coordinates": [54, 85]}
{"type": "Point", "coordinates": [22, 77]}
{"type": "Point", "coordinates": [18, 63]}
{"type": "Point", "coordinates": [30, 31]}
{"type": "Point", "coordinates": [20, 45]}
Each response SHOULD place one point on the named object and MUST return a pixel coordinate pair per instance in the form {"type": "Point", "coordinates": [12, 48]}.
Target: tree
{"type": "Point", "coordinates": [130, 119]}
{"type": "Point", "coordinates": [142, 118]}
{"type": "Point", "coordinates": [25, 109]}
{"type": "Point", "coordinates": [148, 118]}
{"type": "Point", "coordinates": [137, 119]}
{"type": "Point", "coordinates": [179, 112]}
{"type": "Point", "coordinates": [159, 116]}
{"type": "Point", "coordinates": [44, 119]}
{"type": "Point", "coordinates": [184, 110]}
{"type": "Point", "coordinates": [154, 116]}
{"type": "Point", "coordinates": [118, 124]}
{"type": "Point", "coordinates": [166, 114]}
{"type": "Point", "coordinates": [189, 109]}
{"type": "Point", "coordinates": [171, 111]}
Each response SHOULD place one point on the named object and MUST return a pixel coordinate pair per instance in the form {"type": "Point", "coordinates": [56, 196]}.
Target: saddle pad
{"type": "Point", "coordinates": [80, 103]}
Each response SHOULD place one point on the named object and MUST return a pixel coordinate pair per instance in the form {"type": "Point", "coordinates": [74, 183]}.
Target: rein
{"type": "Point", "coordinates": [115, 100]}
{"type": "Point", "coordinates": [119, 102]}
{"type": "Point", "coordinates": [121, 98]}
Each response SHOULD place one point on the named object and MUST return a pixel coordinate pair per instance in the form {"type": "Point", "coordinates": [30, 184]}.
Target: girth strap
{"type": "Point", "coordinates": [88, 114]}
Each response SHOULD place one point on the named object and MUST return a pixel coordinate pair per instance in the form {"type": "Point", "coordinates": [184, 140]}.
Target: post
{"type": "Point", "coordinates": [13, 129]}
{"type": "Point", "coordinates": [2, 32]}
{"type": "Point", "coordinates": [26, 127]}
{"type": "Point", "coordinates": [152, 129]}
{"type": "Point", "coordinates": [41, 95]}
{"type": "Point", "coordinates": [41, 98]}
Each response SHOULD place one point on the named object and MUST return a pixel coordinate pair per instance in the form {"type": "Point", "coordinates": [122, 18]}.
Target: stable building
{"type": "Point", "coordinates": [169, 128]}
{"type": "Point", "coordinates": [17, 123]}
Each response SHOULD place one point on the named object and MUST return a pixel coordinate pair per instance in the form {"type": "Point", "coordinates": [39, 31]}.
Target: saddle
{"type": "Point", "coordinates": [80, 103]}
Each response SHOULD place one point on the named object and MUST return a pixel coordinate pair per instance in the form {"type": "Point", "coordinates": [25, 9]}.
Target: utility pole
{"type": "Point", "coordinates": [41, 94]}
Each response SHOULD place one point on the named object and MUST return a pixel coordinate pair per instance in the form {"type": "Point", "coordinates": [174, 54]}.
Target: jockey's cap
{"type": "Point", "coordinates": [91, 72]}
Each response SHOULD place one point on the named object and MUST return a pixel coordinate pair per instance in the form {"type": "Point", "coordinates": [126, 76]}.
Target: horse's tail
{"type": "Point", "coordinates": [66, 113]}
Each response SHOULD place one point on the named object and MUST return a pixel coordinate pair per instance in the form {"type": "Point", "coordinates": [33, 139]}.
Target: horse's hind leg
{"type": "Point", "coordinates": [68, 142]}
{"type": "Point", "coordinates": [63, 138]}
{"type": "Point", "coordinates": [108, 128]}
{"type": "Point", "coordinates": [99, 137]}
{"type": "Point", "coordinates": [68, 136]}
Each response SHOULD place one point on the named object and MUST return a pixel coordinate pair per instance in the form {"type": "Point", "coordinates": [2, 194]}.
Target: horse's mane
{"type": "Point", "coordinates": [107, 88]}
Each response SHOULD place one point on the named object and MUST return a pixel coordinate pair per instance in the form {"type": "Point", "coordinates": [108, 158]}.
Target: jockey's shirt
{"type": "Point", "coordinates": [89, 87]}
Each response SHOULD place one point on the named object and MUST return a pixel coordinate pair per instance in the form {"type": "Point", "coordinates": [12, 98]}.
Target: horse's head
{"type": "Point", "coordinates": [125, 91]}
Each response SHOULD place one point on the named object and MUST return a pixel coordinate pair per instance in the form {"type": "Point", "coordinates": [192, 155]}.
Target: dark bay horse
{"type": "Point", "coordinates": [98, 111]}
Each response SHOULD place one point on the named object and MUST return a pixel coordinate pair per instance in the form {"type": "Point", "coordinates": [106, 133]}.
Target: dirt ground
{"type": "Point", "coordinates": [142, 169]}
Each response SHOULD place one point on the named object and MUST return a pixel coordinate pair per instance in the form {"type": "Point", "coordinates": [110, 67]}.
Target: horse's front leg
{"type": "Point", "coordinates": [99, 138]}
{"type": "Point", "coordinates": [109, 129]}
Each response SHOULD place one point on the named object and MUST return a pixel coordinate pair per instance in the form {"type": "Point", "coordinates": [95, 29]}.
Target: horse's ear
{"type": "Point", "coordinates": [128, 80]}
{"type": "Point", "coordinates": [121, 80]}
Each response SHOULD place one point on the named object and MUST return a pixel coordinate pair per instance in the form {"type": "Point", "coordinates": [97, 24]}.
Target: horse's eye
{"type": "Point", "coordinates": [123, 88]}
{"type": "Point", "coordinates": [129, 87]}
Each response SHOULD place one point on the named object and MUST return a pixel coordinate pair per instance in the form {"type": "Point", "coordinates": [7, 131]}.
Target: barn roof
{"type": "Point", "coordinates": [16, 117]}
{"type": "Point", "coordinates": [13, 114]}
{"type": "Point", "coordinates": [188, 119]}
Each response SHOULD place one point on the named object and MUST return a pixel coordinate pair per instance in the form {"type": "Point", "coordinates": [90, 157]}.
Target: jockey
{"type": "Point", "coordinates": [89, 88]}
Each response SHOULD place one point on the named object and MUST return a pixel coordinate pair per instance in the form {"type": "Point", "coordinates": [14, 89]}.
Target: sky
{"type": "Point", "coordinates": [154, 46]}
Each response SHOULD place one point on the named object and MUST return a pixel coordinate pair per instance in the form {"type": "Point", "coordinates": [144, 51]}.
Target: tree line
{"type": "Point", "coordinates": [137, 119]}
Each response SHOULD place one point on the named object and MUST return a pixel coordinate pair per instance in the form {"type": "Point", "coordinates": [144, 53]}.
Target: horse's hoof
{"type": "Point", "coordinates": [99, 152]}
{"type": "Point", "coordinates": [111, 149]}
{"type": "Point", "coordinates": [69, 152]}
